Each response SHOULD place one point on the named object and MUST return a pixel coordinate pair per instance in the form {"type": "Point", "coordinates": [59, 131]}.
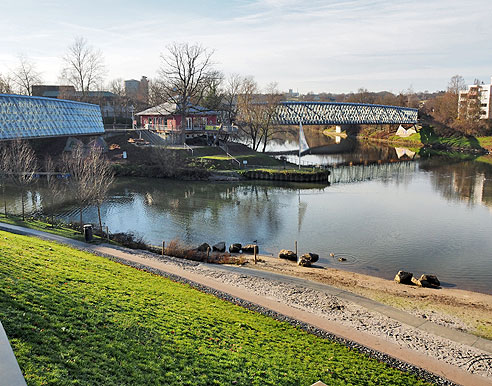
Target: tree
{"type": "Point", "coordinates": [256, 112]}
{"type": "Point", "coordinates": [185, 75]}
{"type": "Point", "coordinates": [84, 66]}
{"type": "Point", "coordinates": [121, 101]}
{"type": "Point", "coordinates": [214, 93]}
{"type": "Point", "coordinates": [19, 164]}
{"type": "Point", "coordinates": [101, 177]}
{"type": "Point", "coordinates": [233, 87]}
{"type": "Point", "coordinates": [456, 84]}
{"type": "Point", "coordinates": [90, 177]}
{"type": "Point", "coordinates": [26, 75]}
{"type": "Point", "coordinates": [78, 183]}
{"type": "Point", "coordinates": [53, 185]}
{"type": "Point", "coordinates": [5, 84]}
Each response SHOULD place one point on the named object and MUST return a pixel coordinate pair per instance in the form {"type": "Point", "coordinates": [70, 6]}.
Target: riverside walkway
{"type": "Point", "coordinates": [173, 269]}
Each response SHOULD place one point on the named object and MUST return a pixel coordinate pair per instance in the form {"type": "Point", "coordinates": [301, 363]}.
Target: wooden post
{"type": "Point", "coordinates": [255, 249]}
{"type": "Point", "coordinates": [107, 232]}
{"type": "Point", "coordinates": [163, 247]}
{"type": "Point", "coordinates": [208, 253]}
{"type": "Point", "coordinates": [296, 247]}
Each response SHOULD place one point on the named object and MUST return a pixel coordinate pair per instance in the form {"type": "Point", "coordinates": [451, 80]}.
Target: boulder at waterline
{"type": "Point", "coordinates": [404, 277]}
{"type": "Point", "coordinates": [250, 248]}
{"type": "Point", "coordinates": [235, 248]}
{"type": "Point", "coordinates": [219, 247]}
{"type": "Point", "coordinates": [286, 254]}
{"type": "Point", "coordinates": [431, 279]}
{"type": "Point", "coordinates": [307, 259]}
{"type": "Point", "coordinates": [203, 248]}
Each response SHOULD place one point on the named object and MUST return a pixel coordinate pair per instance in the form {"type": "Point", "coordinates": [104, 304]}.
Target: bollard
{"type": "Point", "coordinates": [296, 247]}
{"type": "Point", "coordinates": [255, 249]}
{"type": "Point", "coordinates": [208, 253]}
{"type": "Point", "coordinates": [163, 247]}
{"type": "Point", "coordinates": [107, 232]}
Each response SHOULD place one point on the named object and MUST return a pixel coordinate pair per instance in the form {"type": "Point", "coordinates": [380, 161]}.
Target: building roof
{"type": "Point", "coordinates": [169, 108]}
{"type": "Point", "coordinates": [36, 117]}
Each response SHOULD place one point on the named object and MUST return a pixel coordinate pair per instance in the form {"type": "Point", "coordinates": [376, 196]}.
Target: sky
{"type": "Point", "coordinates": [315, 46]}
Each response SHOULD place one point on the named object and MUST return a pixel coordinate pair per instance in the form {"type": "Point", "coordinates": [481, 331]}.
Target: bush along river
{"type": "Point", "coordinates": [424, 216]}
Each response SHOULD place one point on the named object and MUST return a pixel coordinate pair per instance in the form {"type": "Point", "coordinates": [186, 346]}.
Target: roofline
{"type": "Point", "coordinates": [48, 99]}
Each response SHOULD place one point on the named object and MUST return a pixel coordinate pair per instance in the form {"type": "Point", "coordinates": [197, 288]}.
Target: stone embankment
{"type": "Point", "coordinates": [288, 175]}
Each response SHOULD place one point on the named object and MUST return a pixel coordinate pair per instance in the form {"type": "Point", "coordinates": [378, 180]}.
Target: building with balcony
{"type": "Point", "coordinates": [476, 100]}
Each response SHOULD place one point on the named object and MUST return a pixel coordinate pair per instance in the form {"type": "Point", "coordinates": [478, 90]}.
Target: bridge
{"type": "Point", "coordinates": [333, 113]}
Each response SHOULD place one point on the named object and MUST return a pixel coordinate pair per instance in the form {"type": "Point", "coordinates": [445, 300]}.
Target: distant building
{"type": "Point", "coordinates": [137, 90]}
{"type": "Point", "coordinates": [476, 94]}
{"type": "Point", "coordinates": [112, 106]}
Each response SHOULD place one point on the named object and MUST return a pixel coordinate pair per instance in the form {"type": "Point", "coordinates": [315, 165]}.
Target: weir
{"type": "Point", "coordinates": [367, 172]}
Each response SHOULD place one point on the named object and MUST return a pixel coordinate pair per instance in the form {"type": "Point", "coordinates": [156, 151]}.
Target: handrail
{"type": "Point", "coordinates": [186, 146]}
{"type": "Point", "coordinates": [230, 156]}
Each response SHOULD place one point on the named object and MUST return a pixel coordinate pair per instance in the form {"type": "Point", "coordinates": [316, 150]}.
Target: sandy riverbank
{"type": "Point", "coordinates": [465, 310]}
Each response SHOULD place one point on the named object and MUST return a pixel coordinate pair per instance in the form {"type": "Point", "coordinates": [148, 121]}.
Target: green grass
{"type": "Point", "coordinates": [43, 226]}
{"type": "Point", "coordinates": [485, 142]}
{"type": "Point", "coordinates": [413, 139]}
{"type": "Point", "coordinates": [75, 318]}
{"type": "Point", "coordinates": [485, 159]}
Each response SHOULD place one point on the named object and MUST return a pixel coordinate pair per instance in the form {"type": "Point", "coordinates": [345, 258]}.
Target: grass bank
{"type": "Point", "coordinates": [427, 137]}
{"type": "Point", "coordinates": [75, 318]}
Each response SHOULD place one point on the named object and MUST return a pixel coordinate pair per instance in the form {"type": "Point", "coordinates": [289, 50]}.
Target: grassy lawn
{"type": "Point", "coordinates": [75, 318]}
{"type": "Point", "coordinates": [43, 226]}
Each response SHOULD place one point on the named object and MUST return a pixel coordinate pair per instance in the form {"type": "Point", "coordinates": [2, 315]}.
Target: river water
{"type": "Point", "coordinates": [422, 215]}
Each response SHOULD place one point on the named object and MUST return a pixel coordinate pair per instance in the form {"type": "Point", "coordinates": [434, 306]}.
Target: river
{"type": "Point", "coordinates": [422, 215]}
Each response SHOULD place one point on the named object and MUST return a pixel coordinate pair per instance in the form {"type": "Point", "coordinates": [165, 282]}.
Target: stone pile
{"type": "Point", "coordinates": [426, 280]}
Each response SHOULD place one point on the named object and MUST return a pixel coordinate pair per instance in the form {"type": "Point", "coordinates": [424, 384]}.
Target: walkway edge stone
{"type": "Point", "coordinates": [10, 371]}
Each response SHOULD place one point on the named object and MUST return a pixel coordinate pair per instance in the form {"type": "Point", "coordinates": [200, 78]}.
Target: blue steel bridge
{"type": "Point", "coordinates": [332, 113]}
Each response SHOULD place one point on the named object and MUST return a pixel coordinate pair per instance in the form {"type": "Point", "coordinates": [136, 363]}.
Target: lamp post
{"type": "Point", "coordinates": [133, 118]}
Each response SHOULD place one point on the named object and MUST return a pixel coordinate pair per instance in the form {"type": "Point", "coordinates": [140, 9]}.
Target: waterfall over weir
{"type": "Point", "coordinates": [359, 173]}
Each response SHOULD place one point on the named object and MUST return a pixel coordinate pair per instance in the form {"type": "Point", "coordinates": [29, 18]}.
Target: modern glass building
{"type": "Point", "coordinates": [38, 117]}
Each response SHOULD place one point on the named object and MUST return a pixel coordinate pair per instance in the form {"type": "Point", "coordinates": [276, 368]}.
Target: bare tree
{"type": "Point", "coordinates": [55, 188]}
{"type": "Point", "coordinates": [233, 87]}
{"type": "Point", "coordinates": [6, 86]}
{"type": "Point", "coordinates": [25, 75]}
{"type": "Point", "coordinates": [185, 74]}
{"type": "Point", "coordinates": [78, 183]}
{"type": "Point", "coordinates": [121, 101]}
{"type": "Point", "coordinates": [456, 84]}
{"type": "Point", "coordinates": [256, 112]}
{"type": "Point", "coordinates": [84, 66]}
{"type": "Point", "coordinates": [90, 177]}
{"type": "Point", "coordinates": [19, 165]}
{"type": "Point", "coordinates": [101, 177]}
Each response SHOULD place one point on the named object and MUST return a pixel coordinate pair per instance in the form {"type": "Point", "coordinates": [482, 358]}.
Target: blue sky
{"type": "Point", "coordinates": [333, 46]}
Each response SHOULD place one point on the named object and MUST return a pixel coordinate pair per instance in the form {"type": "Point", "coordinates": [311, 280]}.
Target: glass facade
{"type": "Point", "coordinates": [34, 117]}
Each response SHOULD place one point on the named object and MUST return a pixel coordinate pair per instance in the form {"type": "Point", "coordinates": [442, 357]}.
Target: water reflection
{"type": "Point", "coordinates": [427, 216]}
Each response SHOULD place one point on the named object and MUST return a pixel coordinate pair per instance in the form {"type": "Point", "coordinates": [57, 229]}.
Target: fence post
{"type": "Point", "coordinates": [255, 249]}
{"type": "Point", "coordinates": [163, 247]}
{"type": "Point", "coordinates": [296, 247]}
{"type": "Point", "coordinates": [107, 232]}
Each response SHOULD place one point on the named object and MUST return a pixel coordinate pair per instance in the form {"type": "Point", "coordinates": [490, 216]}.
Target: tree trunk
{"type": "Point", "coordinates": [99, 215]}
{"type": "Point", "coordinates": [22, 200]}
